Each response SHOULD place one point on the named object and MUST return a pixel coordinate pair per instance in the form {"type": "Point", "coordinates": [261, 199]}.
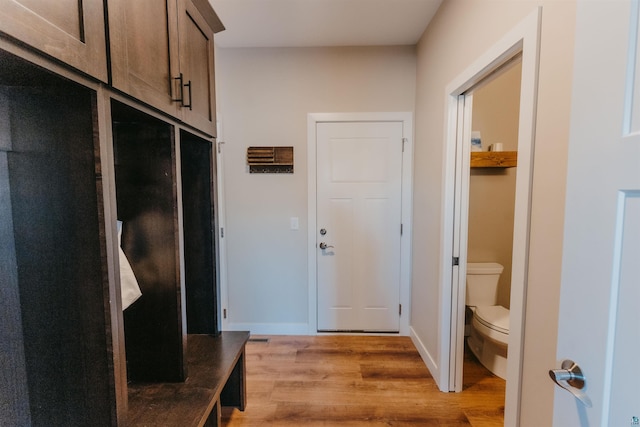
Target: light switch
{"type": "Point", "coordinates": [295, 223]}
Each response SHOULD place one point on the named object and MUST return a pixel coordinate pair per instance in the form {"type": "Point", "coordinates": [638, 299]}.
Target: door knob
{"type": "Point", "coordinates": [323, 245]}
{"type": "Point", "coordinates": [570, 378]}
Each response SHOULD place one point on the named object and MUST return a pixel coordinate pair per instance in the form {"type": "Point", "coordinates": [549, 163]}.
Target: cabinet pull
{"type": "Point", "coordinates": [182, 85]}
{"type": "Point", "coordinates": [190, 103]}
{"type": "Point", "coordinates": [181, 98]}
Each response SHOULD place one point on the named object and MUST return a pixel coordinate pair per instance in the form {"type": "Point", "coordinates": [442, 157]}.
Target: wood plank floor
{"type": "Point", "coordinates": [358, 381]}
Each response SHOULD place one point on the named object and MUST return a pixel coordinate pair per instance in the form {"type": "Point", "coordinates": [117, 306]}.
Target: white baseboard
{"type": "Point", "coordinates": [270, 328]}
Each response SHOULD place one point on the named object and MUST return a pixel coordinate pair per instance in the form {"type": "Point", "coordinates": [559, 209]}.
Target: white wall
{"type": "Point", "coordinates": [263, 98]}
{"type": "Point", "coordinates": [461, 31]}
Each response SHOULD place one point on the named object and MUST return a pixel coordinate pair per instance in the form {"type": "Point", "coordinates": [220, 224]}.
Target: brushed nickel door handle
{"type": "Point", "coordinates": [570, 378]}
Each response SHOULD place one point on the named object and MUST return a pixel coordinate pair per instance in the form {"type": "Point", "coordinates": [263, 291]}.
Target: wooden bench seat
{"type": "Point", "coordinates": [215, 378]}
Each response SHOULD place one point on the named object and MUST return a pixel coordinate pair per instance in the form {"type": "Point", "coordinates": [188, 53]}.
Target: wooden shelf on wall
{"type": "Point", "coordinates": [494, 159]}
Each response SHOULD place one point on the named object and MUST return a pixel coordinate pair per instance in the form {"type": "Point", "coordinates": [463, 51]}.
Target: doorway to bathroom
{"type": "Point", "coordinates": [487, 181]}
{"type": "Point", "coordinates": [517, 48]}
{"type": "Point", "coordinates": [495, 110]}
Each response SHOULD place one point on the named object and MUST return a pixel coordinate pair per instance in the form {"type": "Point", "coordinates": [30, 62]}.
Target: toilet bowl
{"type": "Point", "coordinates": [489, 335]}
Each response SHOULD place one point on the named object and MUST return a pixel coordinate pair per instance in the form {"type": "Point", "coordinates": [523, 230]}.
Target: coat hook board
{"type": "Point", "coordinates": [270, 159]}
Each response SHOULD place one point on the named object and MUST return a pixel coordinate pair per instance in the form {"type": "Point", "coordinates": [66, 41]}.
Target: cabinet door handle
{"type": "Point", "coordinates": [188, 85]}
{"type": "Point", "coordinates": [181, 86]}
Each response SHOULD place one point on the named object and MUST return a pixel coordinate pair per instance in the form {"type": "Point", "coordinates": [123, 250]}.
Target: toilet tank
{"type": "Point", "coordinates": [482, 283]}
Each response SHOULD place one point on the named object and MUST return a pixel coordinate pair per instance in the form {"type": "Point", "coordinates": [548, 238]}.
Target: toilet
{"type": "Point", "coordinates": [489, 332]}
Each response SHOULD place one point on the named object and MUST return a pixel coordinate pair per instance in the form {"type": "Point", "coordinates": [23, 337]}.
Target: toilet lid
{"type": "Point", "coordinates": [495, 317]}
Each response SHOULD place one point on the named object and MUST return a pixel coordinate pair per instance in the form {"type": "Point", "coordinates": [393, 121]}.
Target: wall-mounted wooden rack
{"type": "Point", "coordinates": [270, 159]}
{"type": "Point", "coordinates": [494, 159]}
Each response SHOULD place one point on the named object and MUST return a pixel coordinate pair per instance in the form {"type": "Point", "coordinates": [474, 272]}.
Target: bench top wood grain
{"type": "Point", "coordinates": [210, 361]}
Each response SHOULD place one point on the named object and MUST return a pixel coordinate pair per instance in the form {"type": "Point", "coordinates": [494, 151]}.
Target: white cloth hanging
{"type": "Point", "coordinates": [128, 283]}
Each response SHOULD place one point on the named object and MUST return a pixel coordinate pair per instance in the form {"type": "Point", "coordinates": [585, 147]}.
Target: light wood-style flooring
{"type": "Point", "coordinates": [358, 381]}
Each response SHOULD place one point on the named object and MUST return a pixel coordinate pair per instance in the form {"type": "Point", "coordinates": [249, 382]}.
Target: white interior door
{"type": "Point", "coordinates": [359, 188]}
{"type": "Point", "coordinates": [599, 317]}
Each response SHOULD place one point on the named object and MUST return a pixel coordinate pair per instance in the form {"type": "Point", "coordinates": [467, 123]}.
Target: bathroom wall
{"type": "Point", "coordinates": [496, 107]}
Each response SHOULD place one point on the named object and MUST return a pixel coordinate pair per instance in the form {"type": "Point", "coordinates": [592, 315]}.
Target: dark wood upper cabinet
{"type": "Point", "coordinates": [197, 28]}
{"type": "Point", "coordinates": [144, 51]}
{"type": "Point", "coordinates": [162, 54]}
{"type": "Point", "coordinates": [71, 31]}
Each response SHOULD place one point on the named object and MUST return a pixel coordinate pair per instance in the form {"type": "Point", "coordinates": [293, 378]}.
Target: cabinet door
{"type": "Point", "coordinates": [196, 64]}
{"type": "Point", "coordinates": [144, 51]}
{"type": "Point", "coordinates": [71, 31]}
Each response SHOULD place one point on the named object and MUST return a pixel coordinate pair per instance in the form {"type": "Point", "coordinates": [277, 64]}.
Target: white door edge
{"type": "Point", "coordinates": [524, 38]}
{"type": "Point", "coordinates": [407, 206]}
{"type": "Point", "coordinates": [460, 241]}
{"type": "Point", "coordinates": [222, 220]}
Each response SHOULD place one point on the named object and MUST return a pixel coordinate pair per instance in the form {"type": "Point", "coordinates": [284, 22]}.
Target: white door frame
{"type": "Point", "coordinates": [407, 197]}
{"type": "Point", "coordinates": [222, 221]}
{"type": "Point", "coordinates": [525, 39]}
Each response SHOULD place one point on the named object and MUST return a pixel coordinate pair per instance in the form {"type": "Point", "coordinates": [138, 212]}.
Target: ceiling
{"type": "Point", "coordinates": [302, 23]}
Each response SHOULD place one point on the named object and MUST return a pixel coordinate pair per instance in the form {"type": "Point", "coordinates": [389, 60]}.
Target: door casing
{"type": "Point", "coordinates": [407, 193]}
